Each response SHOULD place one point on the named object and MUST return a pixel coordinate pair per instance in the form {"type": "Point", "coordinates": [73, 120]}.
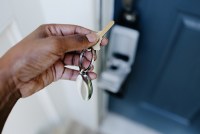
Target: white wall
{"type": "Point", "coordinates": [36, 112]}
{"type": "Point", "coordinates": [80, 12]}
{"type": "Point", "coordinates": [28, 14]}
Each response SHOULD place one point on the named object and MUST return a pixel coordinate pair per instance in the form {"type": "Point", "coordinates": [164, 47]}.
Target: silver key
{"type": "Point", "coordinates": [84, 83]}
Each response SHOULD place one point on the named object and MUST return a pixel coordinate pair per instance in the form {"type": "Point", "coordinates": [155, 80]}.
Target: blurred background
{"type": "Point", "coordinates": [149, 73]}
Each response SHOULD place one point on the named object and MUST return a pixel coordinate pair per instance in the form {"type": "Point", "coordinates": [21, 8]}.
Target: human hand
{"type": "Point", "coordinates": [39, 59]}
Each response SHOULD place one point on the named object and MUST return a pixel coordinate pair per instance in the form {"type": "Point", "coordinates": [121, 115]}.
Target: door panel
{"type": "Point", "coordinates": [9, 36]}
{"type": "Point", "coordinates": [5, 42]}
{"type": "Point", "coordinates": [177, 87]}
{"type": "Point", "coordinates": [164, 83]}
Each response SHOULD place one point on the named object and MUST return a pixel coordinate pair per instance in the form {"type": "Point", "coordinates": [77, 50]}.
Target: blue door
{"type": "Point", "coordinates": [163, 89]}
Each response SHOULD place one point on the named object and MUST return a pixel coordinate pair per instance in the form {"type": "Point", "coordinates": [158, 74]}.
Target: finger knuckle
{"type": "Point", "coordinates": [46, 27]}
{"type": "Point", "coordinates": [81, 39]}
{"type": "Point", "coordinates": [43, 26]}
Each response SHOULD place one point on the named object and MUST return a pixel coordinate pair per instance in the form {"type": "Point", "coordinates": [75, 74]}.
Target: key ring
{"type": "Point", "coordinates": [86, 93]}
{"type": "Point", "coordinates": [85, 87]}
{"type": "Point", "coordinates": [81, 67]}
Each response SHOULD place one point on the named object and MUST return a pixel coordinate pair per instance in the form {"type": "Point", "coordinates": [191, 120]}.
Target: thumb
{"type": "Point", "coordinates": [77, 42]}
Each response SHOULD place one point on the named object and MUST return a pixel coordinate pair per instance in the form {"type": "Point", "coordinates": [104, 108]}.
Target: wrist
{"type": "Point", "coordinates": [7, 85]}
{"type": "Point", "coordinates": [9, 95]}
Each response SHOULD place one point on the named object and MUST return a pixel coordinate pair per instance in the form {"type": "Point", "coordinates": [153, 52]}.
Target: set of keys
{"type": "Point", "coordinates": [83, 81]}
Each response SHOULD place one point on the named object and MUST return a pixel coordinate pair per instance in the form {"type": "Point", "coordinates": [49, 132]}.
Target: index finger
{"type": "Point", "coordinates": [67, 29]}
{"type": "Point", "coordinates": [75, 29]}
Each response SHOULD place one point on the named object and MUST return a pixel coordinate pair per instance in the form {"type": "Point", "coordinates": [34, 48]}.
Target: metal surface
{"type": "Point", "coordinates": [82, 68]}
{"type": "Point", "coordinates": [89, 86]}
{"type": "Point", "coordinates": [84, 74]}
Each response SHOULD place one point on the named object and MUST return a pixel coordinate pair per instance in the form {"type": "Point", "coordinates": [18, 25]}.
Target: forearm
{"type": "Point", "coordinates": [8, 94]}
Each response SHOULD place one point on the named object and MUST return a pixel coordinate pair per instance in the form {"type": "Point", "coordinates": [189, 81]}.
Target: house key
{"type": "Point", "coordinates": [102, 33]}
{"type": "Point", "coordinates": [84, 82]}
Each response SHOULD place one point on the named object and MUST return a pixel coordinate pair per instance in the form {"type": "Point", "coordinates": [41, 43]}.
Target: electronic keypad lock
{"type": "Point", "coordinates": [121, 55]}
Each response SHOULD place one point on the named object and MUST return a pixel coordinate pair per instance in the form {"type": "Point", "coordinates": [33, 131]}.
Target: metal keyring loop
{"type": "Point", "coordinates": [82, 68]}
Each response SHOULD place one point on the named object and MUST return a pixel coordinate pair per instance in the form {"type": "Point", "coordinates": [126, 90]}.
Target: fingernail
{"type": "Point", "coordinates": [93, 75]}
{"type": "Point", "coordinates": [92, 37]}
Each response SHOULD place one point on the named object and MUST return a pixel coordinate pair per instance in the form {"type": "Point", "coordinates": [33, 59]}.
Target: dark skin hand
{"type": "Point", "coordinates": [39, 59]}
